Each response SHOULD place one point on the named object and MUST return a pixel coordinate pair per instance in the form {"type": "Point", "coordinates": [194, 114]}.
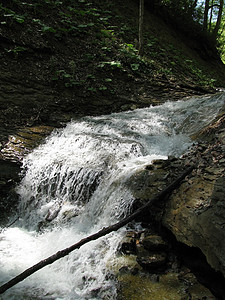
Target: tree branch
{"type": "Point", "coordinates": [95, 236]}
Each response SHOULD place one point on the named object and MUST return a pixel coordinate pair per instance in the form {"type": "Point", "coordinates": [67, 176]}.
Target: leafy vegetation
{"type": "Point", "coordinates": [221, 40]}
{"type": "Point", "coordinates": [84, 50]}
{"type": "Point", "coordinates": [202, 18]}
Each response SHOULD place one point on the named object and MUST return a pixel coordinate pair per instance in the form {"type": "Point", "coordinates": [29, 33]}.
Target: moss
{"type": "Point", "coordinates": [137, 287]}
{"type": "Point", "coordinates": [170, 286]}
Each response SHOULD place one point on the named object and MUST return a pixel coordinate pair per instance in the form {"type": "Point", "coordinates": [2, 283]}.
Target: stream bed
{"type": "Point", "coordinates": [75, 183]}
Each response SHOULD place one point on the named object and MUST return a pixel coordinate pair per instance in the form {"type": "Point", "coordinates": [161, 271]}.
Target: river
{"type": "Point", "coordinates": [74, 184]}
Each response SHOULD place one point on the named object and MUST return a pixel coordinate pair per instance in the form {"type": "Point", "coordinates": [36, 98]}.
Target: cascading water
{"type": "Point", "coordinates": [75, 184]}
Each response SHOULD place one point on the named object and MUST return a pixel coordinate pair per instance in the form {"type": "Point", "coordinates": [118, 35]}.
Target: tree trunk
{"type": "Point", "coordinates": [206, 11]}
{"type": "Point", "coordinates": [211, 15]}
{"type": "Point", "coordinates": [218, 22]}
{"type": "Point", "coordinates": [141, 21]}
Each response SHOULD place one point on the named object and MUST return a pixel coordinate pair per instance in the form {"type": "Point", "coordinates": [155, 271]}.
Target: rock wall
{"type": "Point", "coordinates": [195, 212]}
{"type": "Point", "coordinates": [11, 154]}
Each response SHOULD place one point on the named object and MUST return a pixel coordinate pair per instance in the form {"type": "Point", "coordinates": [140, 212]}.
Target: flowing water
{"type": "Point", "coordinates": [74, 184]}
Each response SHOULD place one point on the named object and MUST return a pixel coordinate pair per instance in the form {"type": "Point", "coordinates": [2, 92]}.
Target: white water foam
{"type": "Point", "coordinates": [75, 184]}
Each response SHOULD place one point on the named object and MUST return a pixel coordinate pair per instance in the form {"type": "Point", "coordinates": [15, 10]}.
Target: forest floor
{"type": "Point", "coordinates": [62, 60]}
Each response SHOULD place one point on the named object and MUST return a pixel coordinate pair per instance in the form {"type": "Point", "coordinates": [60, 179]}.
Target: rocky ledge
{"type": "Point", "coordinates": [195, 215]}
{"type": "Point", "coordinates": [11, 155]}
{"type": "Point", "coordinates": [195, 211]}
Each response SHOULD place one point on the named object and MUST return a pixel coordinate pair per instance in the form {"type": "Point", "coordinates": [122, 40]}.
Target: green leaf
{"type": "Point", "coordinates": [92, 89]}
{"type": "Point", "coordinates": [82, 26]}
{"type": "Point", "coordinates": [135, 67]}
{"type": "Point", "coordinates": [66, 75]}
{"type": "Point", "coordinates": [19, 20]}
{"type": "Point", "coordinates": [102, 88]}
{"type": "Point", "coordinates": [48, 29]}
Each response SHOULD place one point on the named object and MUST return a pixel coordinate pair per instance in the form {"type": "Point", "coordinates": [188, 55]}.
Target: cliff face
{"type": "Point", "coordinates": [195, 212]}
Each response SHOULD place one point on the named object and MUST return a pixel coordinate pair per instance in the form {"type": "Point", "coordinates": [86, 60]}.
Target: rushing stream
{"type": "Point", "coordinates": [74, 184]}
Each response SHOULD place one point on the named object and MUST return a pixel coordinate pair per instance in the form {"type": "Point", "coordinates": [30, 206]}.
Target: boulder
{"type": "Point", "coordinates": [195, 211]}
{"type": "Point", "coordinates": [150, 260]}
{"type": "Point", "coordinates": [154, 242]}
{"type": "Point", "coordinates": [128, 243]}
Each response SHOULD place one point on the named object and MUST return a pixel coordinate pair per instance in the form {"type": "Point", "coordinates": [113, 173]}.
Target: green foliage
{"type": "Point", "coordinates": [8, 14]}
{"type": "Point", "coordinates": [102, 88]}
{"type": "Point", "coordinates": [108, 40]}
{"type": "Point", "coordinates": [16, 50]}
{"type": "Point", "coordinates": [45, 28]}
{"type": "Point", "coordinates": [201, 77]}
{"type": "Point", "coordinates": [129, 50]}
{"type": "Point", "coordinates": [91, 76]}
{"type": "Point", "coordinates": [135, 67]}
{"type": "Point", "coordinates": [68, 79]}
{"type": "Point", "coordinates": [152, 42]}
{"type": "Point", "coordinates": [85, 25]}
{"type": "Point", "coordinates": [113, 64]}
{"type": "Point", "coordinates": [221, 40]}
{"type": "Point", "coordinates": [107, 33]}
{"type": "Point", "coordinates": [185, 8]}
{"type": "Point", "coordinates": [92, 89]}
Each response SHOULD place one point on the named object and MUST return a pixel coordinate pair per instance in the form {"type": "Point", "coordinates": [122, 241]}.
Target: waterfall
{"type": "Point", "coordinates": [74, 184]}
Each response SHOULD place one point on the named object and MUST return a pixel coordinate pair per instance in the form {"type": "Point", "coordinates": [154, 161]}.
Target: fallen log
{"type": "Point", "coordinates": [104, 231]}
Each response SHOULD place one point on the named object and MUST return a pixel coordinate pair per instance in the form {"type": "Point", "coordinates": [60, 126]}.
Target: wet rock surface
{"type": "Point", "coordinates": [9, 177]}
{"type": "Point", "coordinates": [195, 211]}
{"type": "Point", "coordinates": [150, 249]}
{"type": "Point", "coordinates": [152, 270]}
{"type": "Point", "coordinates": [23, 141]}
{"type": "Point", "coordinates": [11, 154]}
{"type": "Point", "coordinates": [153, 242]}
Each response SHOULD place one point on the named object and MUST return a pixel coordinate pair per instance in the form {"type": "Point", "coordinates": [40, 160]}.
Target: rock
{"type": "Point", "coordinates": [9, 176]}
{"type": "Point", "coordinates": [150, 260]}
{"type": "Point", "coordinates": [193, 287]}
{"type": "Point", "coordinates": [128, 244]}
{"type": "Point", "coordinates": [195, 212]}
{"type": "Point", "coordinates": [176, 286]}
{"type": "Point", "coordinates": [11, 155]}
{"type": "Point", "coordinates": [154, 242]}
{"type": "Point", "coordinates": [196, 216]}
{"type": "Point", "coordinates": [9, 173]}
{"type": "Point", "coordinates": [53, 212]}
{"type": "Point", "coordinates": [21, 143]}
{"type": "Point", "coordinates": [147, 183]}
